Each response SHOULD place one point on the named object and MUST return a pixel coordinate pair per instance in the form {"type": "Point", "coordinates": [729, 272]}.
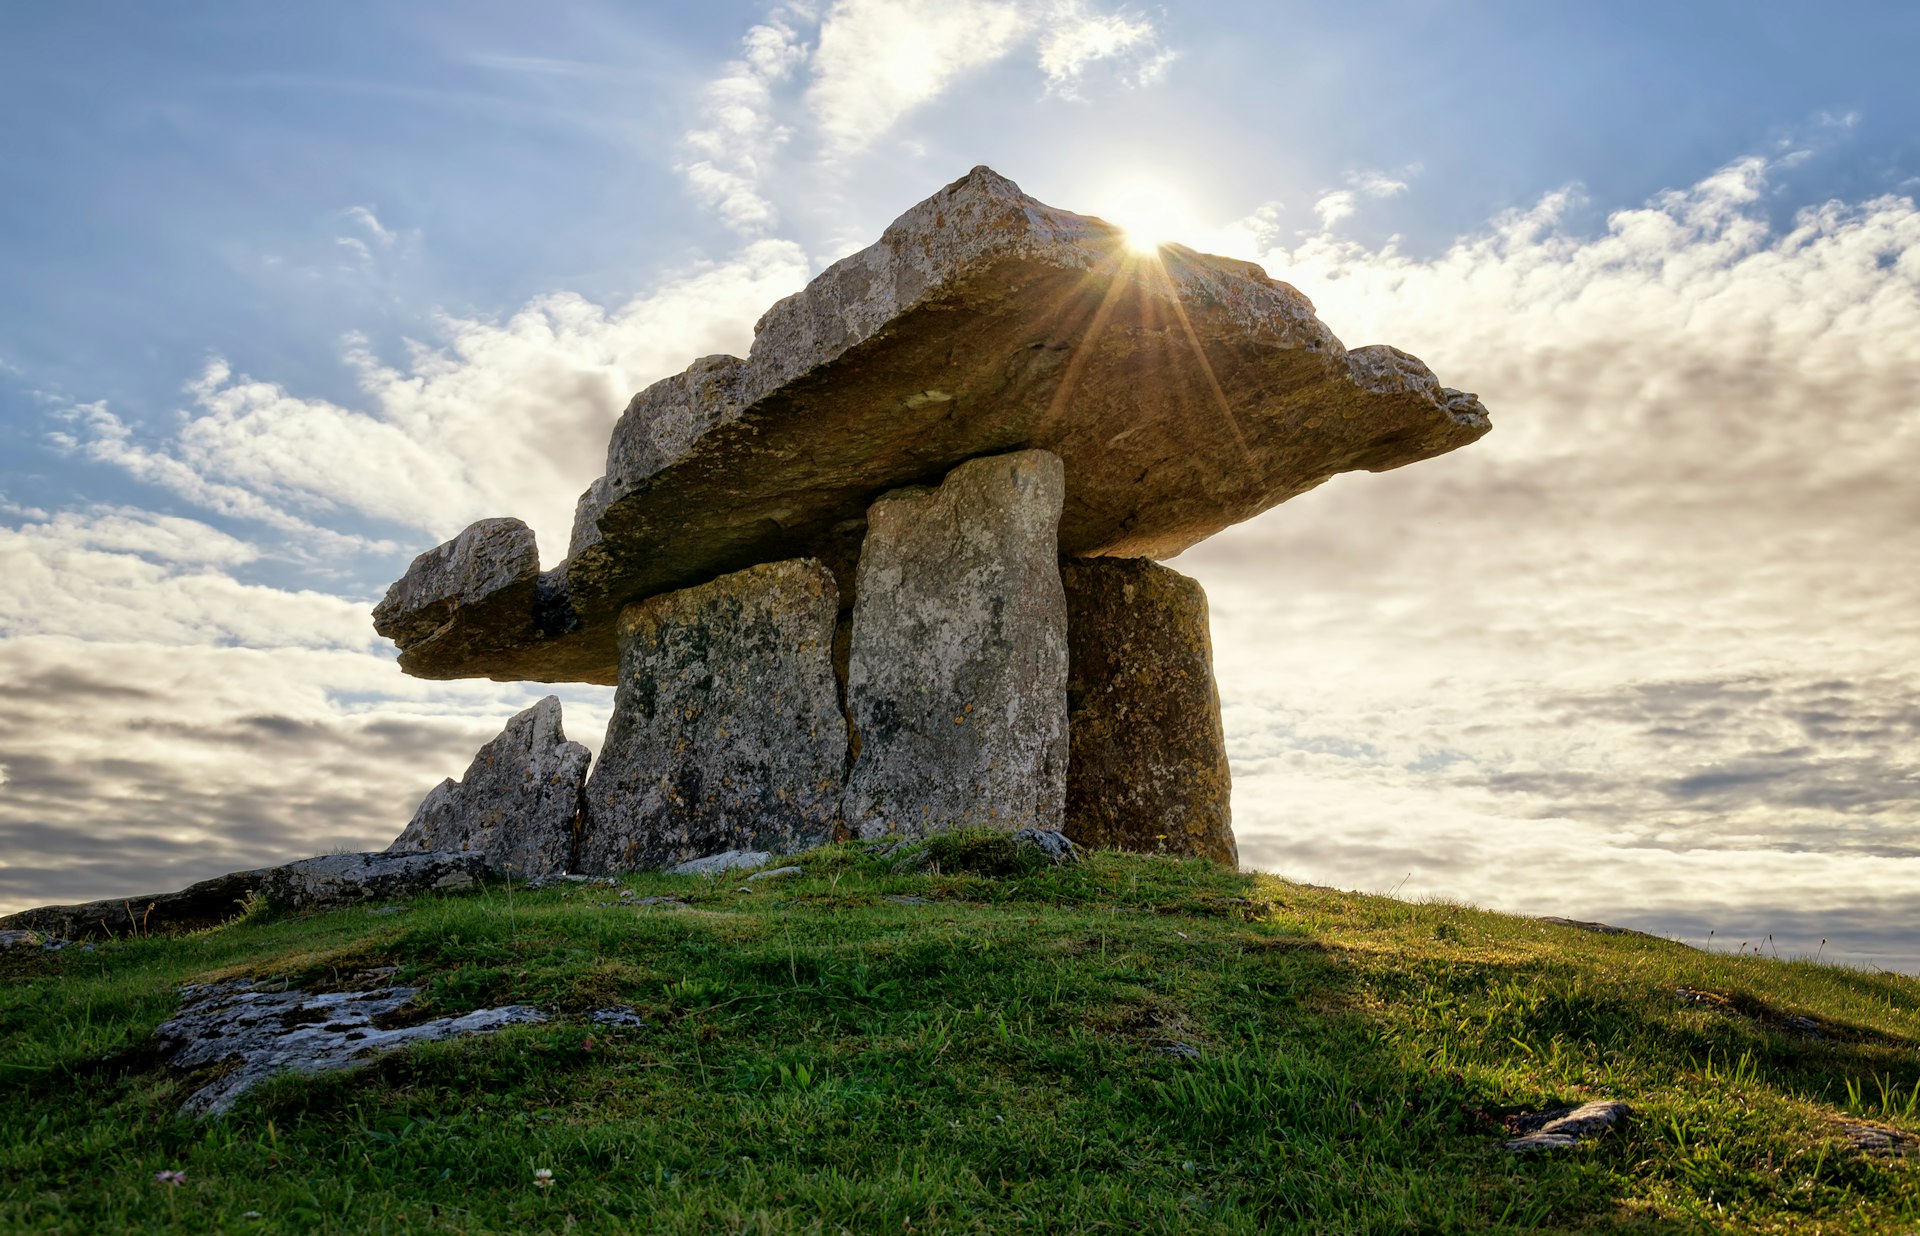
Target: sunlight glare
{"type": "Point", "coordinates": [1151, 215]}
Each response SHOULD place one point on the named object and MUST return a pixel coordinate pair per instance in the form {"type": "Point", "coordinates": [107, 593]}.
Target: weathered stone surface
{"type": "Point", "coordinates": [267, 1032]}
{"type": "Point", "coordinates": [726, 730]}
{"type": "Point", "coordinates": [310, 884]}
{"type": "Point", "coordinates": [474, 597]}
{"type": "Point", "coordinates": [206, 904]}
{"type": "Point", "coordinates": [1147, 764]}
{"type": "Point", "coordinates": [518, 804]}
{"type": "Point", "coordinates": [347, 879]}
{"type": "Point", "coordinates": [1057, 846]}
{"type": "Point", "coordinates": [957, 673]}
{"type": "Point", "coordinates": [726, 860]}
{"type": "Point", "coordinates": [1567, 1127]}
{"type": "Point", "coordinates": [1184, 393]}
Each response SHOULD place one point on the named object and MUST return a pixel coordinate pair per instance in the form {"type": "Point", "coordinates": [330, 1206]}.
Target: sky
{"type": "Point", "coordinates": [293, 293]}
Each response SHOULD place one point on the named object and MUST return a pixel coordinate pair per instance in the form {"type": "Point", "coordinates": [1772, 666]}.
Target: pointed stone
{"type": "Point", "coordinates": [1147, 765]}
{"type": "Point", "coordinates": [727, 732]}
{"type": "Point", "coordinates": [957, 673]}
{"type": "Point", "coordinates": [518, 804]}
{"type": "Point", "coordinates": [1183, 392]}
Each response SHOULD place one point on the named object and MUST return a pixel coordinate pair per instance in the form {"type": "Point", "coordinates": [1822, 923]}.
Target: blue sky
{"type": "Point", "coordinates": [295, 293]}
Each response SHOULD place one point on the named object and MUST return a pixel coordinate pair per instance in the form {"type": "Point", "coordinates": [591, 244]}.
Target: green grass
{"type": "Point", "coordinates": [820, 1059]}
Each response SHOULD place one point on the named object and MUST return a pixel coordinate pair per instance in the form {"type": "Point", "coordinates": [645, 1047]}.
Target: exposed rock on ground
{"type": "Point", "coordinates": [727, 731]}
{"type": "Point", "coordinates": [1147, 764]}
{"type": "Point", "coordinates": [1566, 1127]}
{"type": "Point", "coordinates": [957, 670]}
{"type": "Point", "coordinates": [1183, 392]}
{"type": "Point", "coordinates": [728, 860]}
{"type": "Point", "coordinates": [206, 904]}
{"type": "Point", "coordinates": [267, 1032]}
{"type": "Point", "coordinates": [347, 879]}
{"type": "Point", "coordinates": [1879, 1141]}
{"type": "Point", "coordinates": [518, 804]}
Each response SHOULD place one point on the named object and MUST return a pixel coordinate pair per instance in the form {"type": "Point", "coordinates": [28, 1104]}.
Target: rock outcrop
{"type": "Point", "coordinates": [205, 904]}
{"type": "Point", "coordinates": [517, 806]}
{"type": "Point", "coordinates": [327, 882]}
{"type": "Point", "coordinates": [726, 731]}
{"type": "Point", "coordinates": [334, 880]}
{"type": "Point", "coordinates": [957, 670]}
{"type": "Point", "coordinates": [1147, 762]}
{"type": "Point", "coordinates": [256, 1033]}
{"type": "Point", "coordinates": [1182, 392]}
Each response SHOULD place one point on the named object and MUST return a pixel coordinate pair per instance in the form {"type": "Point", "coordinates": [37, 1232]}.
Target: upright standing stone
{"type": "Point", "coordinates": [518, 803]}
{"type": "Point", "coordinates": [727, 732]}
{"type": "Point", "coordinates": [956, 676]}
{"type": "Point", "coordinates": [1147, 770]}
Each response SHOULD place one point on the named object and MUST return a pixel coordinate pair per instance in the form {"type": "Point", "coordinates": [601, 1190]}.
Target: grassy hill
{"type": "Point", "coordinates": [1127, 1044]}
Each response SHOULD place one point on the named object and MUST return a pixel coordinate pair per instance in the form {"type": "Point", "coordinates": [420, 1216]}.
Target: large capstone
{"type": "Point", "coordinates": [518, 806]}
{"type": "Point", "coordinates": [727, 732]}
{"type": "Point", "coordinates": [1182, 392]}
{"type": "Point", "coordinates": [1147, 762]}
{"type": "Point", "coordinates": [957, 669]}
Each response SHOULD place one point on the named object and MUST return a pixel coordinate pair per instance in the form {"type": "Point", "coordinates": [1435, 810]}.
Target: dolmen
{"type": "Point", "coordinates": [895, 572]}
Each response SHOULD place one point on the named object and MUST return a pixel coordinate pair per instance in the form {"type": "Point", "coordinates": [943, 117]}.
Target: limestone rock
{"type": "Point", "coordinates": [347, 879]}
{"type": "Point", "coordinates": [311, 884]}
{"type": "Point", "coordinates": [1147, 765]}
{"type": "Point", "coordinates": [518, 803]}
{"type": "Point", "coordinates": [205, 904]}
{"type": "Point", "coordinates": [1183, 392]}
{"type": "Point", "coordinates": [469, 598]}
{"type": "Point", "coordinates": [1057, 846]}
{"type": "Point", "coordinates": [957, 670]}
{"type": "Point", "coordinates": [726, 860]}
{"type": "Point", "coordinates": [1566, 1127]}
{"type": "Point", "coordinates": [267, 1032]}
{"type": "Point", "coordinates": [726, 730]}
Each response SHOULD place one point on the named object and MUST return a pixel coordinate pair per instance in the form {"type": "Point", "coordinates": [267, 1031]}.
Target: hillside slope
{"type": "Point", "coordinates": [982, 1045]}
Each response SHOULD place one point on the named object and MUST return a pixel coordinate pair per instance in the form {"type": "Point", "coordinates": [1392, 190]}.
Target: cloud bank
{"type": "Point", "coordinates": [1646, 646]}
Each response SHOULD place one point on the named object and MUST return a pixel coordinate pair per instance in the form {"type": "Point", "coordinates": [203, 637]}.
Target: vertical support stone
{"type": "Point", "coordinates": [726, 731]}
{"type": "Point", "coordinates": [1147, 769]}
{"type": "Point", "coordinates": [957, 669]}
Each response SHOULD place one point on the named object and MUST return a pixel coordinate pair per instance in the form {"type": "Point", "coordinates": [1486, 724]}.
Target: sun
{"type": "Point", "coordinates": [1152, 215]}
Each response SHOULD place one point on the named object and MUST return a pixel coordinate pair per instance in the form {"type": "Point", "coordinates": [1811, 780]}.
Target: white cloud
{"type": "Point", "coordinates": [366, 220]}
{"type": "Point", "coordinates": [1371, 182]}
{"type": "Point", "coordinates": [503, 418]}
{"type": "Point", "coordinates": [1075, 38]}
{"type": "Point", "coordinates": [739, 135]}
{"type": "Point", "coordinates": [1335, 206]}
{"type": "Point", "coordinates": [880, 59]}
{"type": "Point", "coordinates": [355, 246]}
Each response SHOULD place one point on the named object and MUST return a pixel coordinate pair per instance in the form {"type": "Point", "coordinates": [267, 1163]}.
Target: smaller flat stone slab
{"type": "Point", "coordinates": [1147, 765]}
{"type": "Point", "coordinates": [957, 665]}
{"type": "Point", "coordinates": [1566, 1127]}
{"type": "Point", "coordinates": [726, 731]}
{"type": "Point", "coordinates": [518, 804]}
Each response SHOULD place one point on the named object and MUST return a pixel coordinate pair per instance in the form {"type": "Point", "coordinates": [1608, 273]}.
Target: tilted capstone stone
{"type": "Point", "coordinates": [957, 668]}
{"type": "Point", "coordinates": [1182, 392]}
{"type": "Point", "coordinates": [1147, 764]}
{"type": "Point", "coordinates": [517, 806]}
{"type": "Point", "coordinates": [726, 732]}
